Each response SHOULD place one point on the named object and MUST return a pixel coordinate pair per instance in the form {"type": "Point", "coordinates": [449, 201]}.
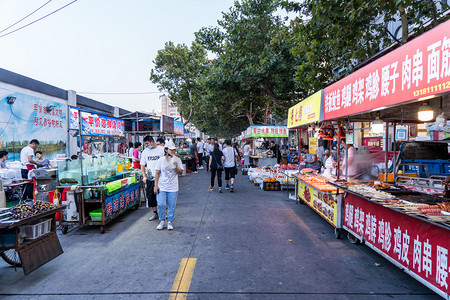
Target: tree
{"type": "Point", "coordinates": [251, 60]}
{"type": "Point", "coordinates": [177, 71]}
{"type": "Point", "coordinates": [336, 35]}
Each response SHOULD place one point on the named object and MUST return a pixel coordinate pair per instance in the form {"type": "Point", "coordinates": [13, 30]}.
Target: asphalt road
{"type": "Point", "coordinates": [249, 244]}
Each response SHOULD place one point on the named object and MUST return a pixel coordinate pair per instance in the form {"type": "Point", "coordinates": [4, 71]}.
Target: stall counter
{"type": "Point", "coordinates": [322, 198]}
{"type": "Point", "coordinates": [410, 241]}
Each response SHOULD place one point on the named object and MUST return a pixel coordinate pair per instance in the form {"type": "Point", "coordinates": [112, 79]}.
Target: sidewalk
{"type": "Point", "coordinates": [249, 244]}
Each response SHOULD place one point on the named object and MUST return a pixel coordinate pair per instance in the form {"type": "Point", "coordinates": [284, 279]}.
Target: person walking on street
{"type": "Point", "coordinates": [206, 152]}
{"type": "Point", "coordinates": [194, 159]}
{"type": "Point", "coordinates": [216, 167]}
{"type": "Point", "coordinates": [247, 150]}
{"type": "Point", "coordinates": [200, 153]}
{"type": "Point", "coordinates": [167, 170]}
{"type": "Point", "coordinates": [238, 151]}
{"type": "Point", "coordinates": [160, 141]}
{"type": "Point", "coordinates": [151, 154]}
{"type": "Point", "coordinates": [230, 155]}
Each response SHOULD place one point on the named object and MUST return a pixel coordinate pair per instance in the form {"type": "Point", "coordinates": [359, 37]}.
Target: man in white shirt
{"type": "Point", "coordinates": [206, 152]}
{"type": "Point", "coordinates": [229, 164]}
{"type": "Point", "coordinates": [151, 154]}
{"type": "Point", "coordinates": [28, 163]}
{"type": "Point", "coordinates": [200, 153]}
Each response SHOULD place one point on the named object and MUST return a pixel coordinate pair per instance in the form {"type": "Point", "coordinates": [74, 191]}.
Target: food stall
{"type": "Point", "coordinates": [28, 235]}
{"type": "Point", "coordinates": [406, 224]}
{"type": "Point", "coordinates": [311, 188]}
{"type": "Point", "coordinates": [97, 188]}
{"type": "Point", "coordinates": [185, 153]}
{"type": "Point", "coordinates": [258, 156]}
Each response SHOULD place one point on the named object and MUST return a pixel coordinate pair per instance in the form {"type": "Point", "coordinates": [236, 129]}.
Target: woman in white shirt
{"type": "Point", "coordinates": [167, 170]}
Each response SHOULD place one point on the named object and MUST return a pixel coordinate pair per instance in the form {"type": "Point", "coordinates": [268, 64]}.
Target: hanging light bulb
{"type": "Point", "coordinates": [425, 113]}
{"type": "Point", "coordinates": [377, 125]}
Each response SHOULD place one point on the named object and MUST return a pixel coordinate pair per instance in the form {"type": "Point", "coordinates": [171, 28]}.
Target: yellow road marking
{"type": "Point", "coordinates": [182, 282]}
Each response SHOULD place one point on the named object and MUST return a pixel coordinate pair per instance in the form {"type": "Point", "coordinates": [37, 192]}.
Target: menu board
{"type": "Point", "coordinates": [167, 124]}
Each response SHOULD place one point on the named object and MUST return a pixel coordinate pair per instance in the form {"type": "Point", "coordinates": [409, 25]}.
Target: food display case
{"type": "Point", "coordinates": [260, 158]}
{"type": "Point", "coordinates": [185, 155]}
{"type": "Point", "coordinates": [97, 190]}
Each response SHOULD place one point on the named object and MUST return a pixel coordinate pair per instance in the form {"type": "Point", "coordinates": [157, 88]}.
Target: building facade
{"type": "Point", "coordinates": [167, 108]}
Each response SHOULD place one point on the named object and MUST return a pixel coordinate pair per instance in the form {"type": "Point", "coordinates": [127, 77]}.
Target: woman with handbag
{"type": "Point", "coordinates": [216, 166]}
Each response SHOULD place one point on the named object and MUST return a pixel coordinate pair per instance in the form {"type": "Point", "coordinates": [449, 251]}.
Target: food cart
{"type": "Point", "coordinates": [97, 190]}
{"type": "Point", "coordinates": [186, 157]}
{"type": "Point", "coordinates": [98, 187]}
{"type": "Point", "coordinates": [312, 189]}
{"type": "Point", "coordinates": [258, 156]}
{"type": "Point", "coordinates": [29, 240]}
{"type": "Point", "coordinates": [405, 220]}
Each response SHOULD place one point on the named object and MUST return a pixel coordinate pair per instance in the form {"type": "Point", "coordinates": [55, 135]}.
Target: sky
{"type": "Point", "coordinates": [101, 46]}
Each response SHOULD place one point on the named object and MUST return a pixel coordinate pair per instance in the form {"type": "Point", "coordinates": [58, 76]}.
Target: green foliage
{"type": "Point", "coordinates": [178, 69]}
{"type": "Point", "coordinates": [263, 65]}
{"type": "Point", "coordinates": [340, 34]}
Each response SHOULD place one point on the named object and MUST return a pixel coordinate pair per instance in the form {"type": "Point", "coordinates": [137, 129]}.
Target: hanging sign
{"type": "Point", "coordinates": [100, 125]}
{"type": "Point", "coordinates": [349, 138]}
{"type": "Point", "coordinates": [312, 147]}
{"type": "Point", "coordinates": [418, 69]}
{"type": "Point", "coordinates": [268, 131]}
{"type": "Point", "coordinates": [306, 112]}
{"type": "Point", "coordinates": [178, 126]}
{"type": "Point", "coordinates": [167, 124]}
{"type": "Point", "coordinates": [374, 143]}
{"type": "Point", "coordinates": [401, 133]}
{"type": "Point", "coordinates": [74, 118]}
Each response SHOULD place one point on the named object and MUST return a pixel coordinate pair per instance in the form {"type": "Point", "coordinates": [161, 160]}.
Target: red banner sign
{"type": "Point", "coordinates": [374, 143]}
{"type": "Point", "coordinates": [419, 246]}
{"type": "Point", "coordinates": [417, 69]}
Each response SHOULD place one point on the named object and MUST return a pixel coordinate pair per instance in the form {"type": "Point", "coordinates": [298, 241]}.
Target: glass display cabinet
{"type": "Point", "coordinates": [97, 189]}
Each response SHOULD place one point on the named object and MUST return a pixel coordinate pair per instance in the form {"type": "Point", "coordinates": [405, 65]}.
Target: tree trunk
{"type": "Point", "coordinates": [249, 114]}
{"type": "Point", "coordinates": [267, 111]}
{"type": "Point", "coordinates": [434, 11]}
{"type": "Point", "coordinates": [404, 19]}
{"type": "Point", "coordinates": [269, 91]}
{"type": "Point", "coordinates": [191, 108]}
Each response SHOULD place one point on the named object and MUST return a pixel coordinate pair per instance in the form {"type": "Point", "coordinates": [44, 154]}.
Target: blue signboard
{"type": "Point", "coordinates": [100, 125]}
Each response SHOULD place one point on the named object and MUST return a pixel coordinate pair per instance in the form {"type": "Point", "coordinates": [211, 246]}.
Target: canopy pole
{"type": "Point", "coordinates": [394, 160]}
{"type": "Point", "coordinates": [338, 155]}
{"type": "Point", "coordinates": [299, 133]}
{"type": "Point", "coordinates": [386, 147]}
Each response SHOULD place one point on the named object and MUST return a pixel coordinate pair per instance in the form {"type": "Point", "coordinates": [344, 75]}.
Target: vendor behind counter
{"type": "Point", "coordinates": [275, 149]}
{"type": "Point", "coordinates": [3, 158]}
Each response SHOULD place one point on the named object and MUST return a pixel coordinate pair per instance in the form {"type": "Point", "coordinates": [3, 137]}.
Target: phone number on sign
{"type": "Point", "coordinates": [432, 89]}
